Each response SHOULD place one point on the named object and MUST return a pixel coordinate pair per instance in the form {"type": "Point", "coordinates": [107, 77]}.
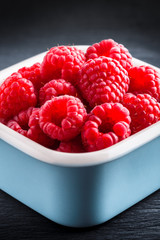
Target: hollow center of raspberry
{"type": "Point", "coordinates": [136, 85]}
{"type": "Point", "coordinates": [106, 126]}
{"type": "Point", "coordinates": [59, 113]}
{"type": "Point", "coordinates": [24, 126]}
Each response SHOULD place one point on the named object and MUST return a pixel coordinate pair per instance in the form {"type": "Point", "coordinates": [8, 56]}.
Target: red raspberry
{"type": "Point", "coordinates": [35, 132]}
{"type": "Point", "coordinates": [72, 146]}
{"type": "Point", "coordinates": [144, 110]}
{"type": "Point", "coordinates": [20, 122]}
{"type": "Point", "coordinates": [3, 120]}
{"type": "Point", "coordinates": [62, 62]}
{"type": "Point", "coordinates": [106, 125]}
{"type": "Point", "coordinates": [62, 117]}
{"type": "Point", "coordinates": [103, 80]}
{"type": "Point", "coordinates": [145, 79]}
{"type": "Point", "coordinates": [27, 124]}
{"type": "Point", "coordinates": [56, 88]}
{"type": "Point", "coordinates": [33, 74]}
{"type": "Point", "coordinates": [16, 94]}
{"type": "Point", "coordinates": [112, 49]}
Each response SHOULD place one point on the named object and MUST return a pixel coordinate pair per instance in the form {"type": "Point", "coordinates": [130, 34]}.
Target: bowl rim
{"type": "Point", "coordinates": [53, 157]}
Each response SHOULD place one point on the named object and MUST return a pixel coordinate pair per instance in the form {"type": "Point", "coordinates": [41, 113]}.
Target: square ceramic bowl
{"type": "Point", "coordinates": [79, 190]}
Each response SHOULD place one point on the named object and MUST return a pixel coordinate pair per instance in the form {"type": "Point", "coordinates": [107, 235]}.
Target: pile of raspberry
{"type": "Point", "coordinates": [76, 101]}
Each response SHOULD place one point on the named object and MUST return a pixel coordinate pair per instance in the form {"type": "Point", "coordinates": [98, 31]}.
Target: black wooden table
{"type": "Point", "coordinates": [141, 221]}
{"type": "Point", "coordinates": [31, 28]}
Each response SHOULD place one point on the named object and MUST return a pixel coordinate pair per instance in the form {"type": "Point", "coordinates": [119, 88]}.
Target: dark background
{"type": "Point", "coordinates": [31, 27]}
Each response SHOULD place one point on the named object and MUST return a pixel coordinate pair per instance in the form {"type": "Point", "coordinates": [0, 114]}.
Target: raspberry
{"type": "Point", "coordinates": [145, 79]}
{"type": "Point", "coordinates": [56, 88]}
{"type": "Point", "coordinates": [62, 117]}
{"type": "Point", "coordinates": [33, 74]}
{"type": "Point", "coordinates": [35, 132]}
{"type": "Point", "coordinates": [62, 62]}
{"type": "Point", "coordinates": [106, 125]}
{"type": "Point", "coordinates": [72, 146]}
{"type": "Point", "coordinates": [103, 80]}
{"type": "Point", "coordinates": [19, 123]}
{"type": "Point", "coordinates": [144, 110]}
{"type": "Point", "coordinates": [16, 94]}
{"type": "Point", "coordinates": [27, 124]}
{"type": "Point", "coordinates": [110, 48]}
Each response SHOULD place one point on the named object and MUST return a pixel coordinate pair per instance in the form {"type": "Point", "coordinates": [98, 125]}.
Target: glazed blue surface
{"type": "Point", "coordinates": [80, 196]}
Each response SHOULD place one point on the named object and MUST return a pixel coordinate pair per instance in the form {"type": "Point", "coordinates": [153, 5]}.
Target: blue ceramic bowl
{"type": "Point", "coordinates": [79, 190]}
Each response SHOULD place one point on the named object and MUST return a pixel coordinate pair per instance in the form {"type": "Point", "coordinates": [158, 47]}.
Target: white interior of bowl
{"type": "Point", "coordinates": [73, 159]}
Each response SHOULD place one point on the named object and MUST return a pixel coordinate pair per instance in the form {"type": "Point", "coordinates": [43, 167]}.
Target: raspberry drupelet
{"type": "Point", "coordinates": [16, 94]}
{"type": "Point", "coordinates": [62, 62]}
{"type": "Point", "coordinates": [106, 125]}
{"type": "Point", "coordinates": [62, 117]}
{"type": "Point", "coordinates": [110, 48]}
{"type": "Point", "coordinates": [103, 80]}
{"type": "Point", "coordinates": [145, 79]}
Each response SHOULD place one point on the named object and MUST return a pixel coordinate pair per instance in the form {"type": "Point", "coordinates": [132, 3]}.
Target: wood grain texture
{"type": "Point", "coordinates": [142, 221]}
